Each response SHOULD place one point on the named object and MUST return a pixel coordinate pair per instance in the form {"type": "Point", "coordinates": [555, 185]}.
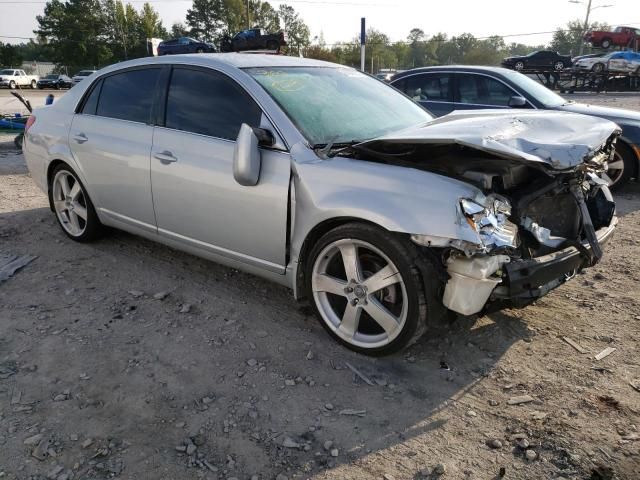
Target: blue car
{"type": "Point", "coordinates": [444, 89]}
{"type": "Point", "coordinates": [184, 45]}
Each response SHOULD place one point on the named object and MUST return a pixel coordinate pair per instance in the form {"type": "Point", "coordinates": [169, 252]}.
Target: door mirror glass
{"type": "Point", "coordinates": [517, 102]}
{"type": "Point", "coordinates": [246, 157]}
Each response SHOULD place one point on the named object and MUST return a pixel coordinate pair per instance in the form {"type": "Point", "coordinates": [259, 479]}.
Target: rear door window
{"type": "Point", "coordinates": [429, 87]}
{"type": "Point", "coordinates": [129, 95]}
{"type": "Point", "coordinates": [208, 103]}
{"type": "Point", "coordinates": [481, 90]}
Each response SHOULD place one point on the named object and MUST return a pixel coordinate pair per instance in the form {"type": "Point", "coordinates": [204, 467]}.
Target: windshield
{"type": "Point", "coordinates": [6, 72]}
{"type": "Point", "coordinates": [536, 90]}
{"type": "Point", "coordinates": [338, 105]}
{"type": "Point", "coordinates": [51, 77]}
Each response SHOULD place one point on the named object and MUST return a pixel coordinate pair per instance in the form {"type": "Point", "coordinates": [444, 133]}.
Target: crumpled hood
{"type": "Point", "coordinates": [557, 140]}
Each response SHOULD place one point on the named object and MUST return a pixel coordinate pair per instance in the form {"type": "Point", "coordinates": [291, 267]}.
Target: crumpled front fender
{"type": "Point", "coordinates": [398, 199]}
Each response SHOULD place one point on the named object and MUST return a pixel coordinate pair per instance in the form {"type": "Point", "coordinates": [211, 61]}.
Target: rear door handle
{"type": "Point", "coordinates": [80, 138]}
{"type": "Point", "coordinates": [166, 157]}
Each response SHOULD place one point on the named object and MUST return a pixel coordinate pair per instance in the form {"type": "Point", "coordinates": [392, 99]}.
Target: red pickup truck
{"type": "Point", "coordinates": [621, 37]}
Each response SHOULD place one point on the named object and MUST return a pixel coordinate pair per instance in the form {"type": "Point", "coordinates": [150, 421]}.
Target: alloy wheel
{"type": "Point", "coordinates": [69, 203]}
{"type": "Point", "coordinates": [559, 66]}
{"type": "Point", "coordinates": [519, 66]}
{"type": "Point", "coordinates": [616, 168]}
{"type": "Point", "coordinates": [360, 293]}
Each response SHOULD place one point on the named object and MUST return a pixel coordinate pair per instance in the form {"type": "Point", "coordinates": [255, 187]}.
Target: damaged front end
{"type": "Point", "coordinates": [541, 214]}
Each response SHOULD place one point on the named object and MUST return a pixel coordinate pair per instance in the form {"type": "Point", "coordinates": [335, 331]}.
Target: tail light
{"type": "Point", "coordinates": [30, 121]}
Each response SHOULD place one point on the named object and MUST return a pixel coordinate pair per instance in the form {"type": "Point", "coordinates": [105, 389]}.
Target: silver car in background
{"type": "Point", "coordinates": [328, 181]}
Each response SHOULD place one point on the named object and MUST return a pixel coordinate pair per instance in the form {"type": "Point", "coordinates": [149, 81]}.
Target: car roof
{"type": "Point", "coordinates": [450, 68]}
{"type": "Point", "coordinates": [238, 60]}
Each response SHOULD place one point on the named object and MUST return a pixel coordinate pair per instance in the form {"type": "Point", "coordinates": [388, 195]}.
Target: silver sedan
{"type": "Point", "coordinates": [328, 181]}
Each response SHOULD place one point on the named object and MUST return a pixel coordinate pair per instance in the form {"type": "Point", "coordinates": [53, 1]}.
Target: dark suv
{"type": "Point", "coordinates": [184, 45]}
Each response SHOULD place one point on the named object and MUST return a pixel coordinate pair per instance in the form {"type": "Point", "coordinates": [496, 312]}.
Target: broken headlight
{"type": "Point", "coordinates": [489, 220]}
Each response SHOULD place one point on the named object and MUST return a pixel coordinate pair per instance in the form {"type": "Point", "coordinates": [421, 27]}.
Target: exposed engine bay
{"type": "Point", "coordinates": [537, 223]}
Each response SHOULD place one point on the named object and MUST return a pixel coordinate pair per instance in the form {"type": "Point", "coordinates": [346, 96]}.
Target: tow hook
{"type": "Point", "coordinates": [595, 254]}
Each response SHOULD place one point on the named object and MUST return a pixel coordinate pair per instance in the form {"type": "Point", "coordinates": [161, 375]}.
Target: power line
{"type": "Point", "coordinates": [307, 2]}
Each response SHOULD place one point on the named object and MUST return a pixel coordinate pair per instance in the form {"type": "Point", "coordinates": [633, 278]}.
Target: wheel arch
{"type": "Point", "coordinates": [635, 151]}
{"type": "Point", "coordinates": [53, 164]}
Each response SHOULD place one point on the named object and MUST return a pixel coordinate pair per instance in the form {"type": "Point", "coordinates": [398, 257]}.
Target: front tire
{"type": "Point", "coordinates": [366, 288]}
{"type": "Point", "coordinates": [623, 167]}
{"type": "Point", "coordinates": [598, 68]}
{"type": "Point", "coordinates": [73, 208]}
{"type": "Point", "coordinates": [606, 43]}
{"type": "Point", "coordinates": [12, 85]}
{"type": "Point", "coordinates": [519, 66]}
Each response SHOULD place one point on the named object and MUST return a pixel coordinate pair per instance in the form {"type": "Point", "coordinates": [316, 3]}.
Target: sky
{"type": "Point", "coordinates": [339, 20]}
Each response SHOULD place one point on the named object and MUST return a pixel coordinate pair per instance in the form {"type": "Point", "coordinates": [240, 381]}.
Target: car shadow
{"type": "Point", "coordinates": [246, 370]}
{"type": "Point", "coordinates": [627, 198]}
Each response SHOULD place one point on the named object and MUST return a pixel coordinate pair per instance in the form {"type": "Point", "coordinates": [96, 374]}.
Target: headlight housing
{"type": "Point", "coordinates": [489, 220]}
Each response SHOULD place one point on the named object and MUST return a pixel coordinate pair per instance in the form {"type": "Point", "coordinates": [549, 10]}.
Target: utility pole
{"type": "Point", "coordinates": [248, 18]}
{"type": "Point", "coordinates": [363, 41]}
{"type": "Point", "coordinates": [586, 26]}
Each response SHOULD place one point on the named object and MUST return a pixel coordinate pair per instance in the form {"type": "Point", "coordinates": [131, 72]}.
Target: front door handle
{"type": "Point", "coordinates": [166, 157]}
{"type": "Point", "coordinates": [80, 138]}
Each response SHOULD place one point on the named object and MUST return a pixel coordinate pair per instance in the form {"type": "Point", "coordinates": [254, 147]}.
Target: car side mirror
{"type": "Point", "coordinates": [247, 161]}
{"type": "Point", "coordinates": [517, 102]}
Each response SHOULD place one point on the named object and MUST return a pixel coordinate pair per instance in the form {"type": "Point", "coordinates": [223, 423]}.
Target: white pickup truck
{"type": "Point", "coordinates": [12, 78]}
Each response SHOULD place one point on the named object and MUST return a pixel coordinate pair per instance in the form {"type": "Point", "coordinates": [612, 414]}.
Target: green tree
{"type": "Point", "coordinates": [76, 31]}
{"type": "Point", "coordinates": [566, 40]}
{"type": "Point", "coordinates": [179, 30]}
{"type": "Point", "coordinates": [10, 56]}
{"type": "Point", "coordinates": [150, 23]}
{"type": "Point", "coordinates": [204, 19]}
{"type": "Point", "coordinates": [297, 31]}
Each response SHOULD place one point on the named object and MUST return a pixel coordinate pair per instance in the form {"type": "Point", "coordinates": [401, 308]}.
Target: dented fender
{"type": "Point", "coordinates": [398, 199]}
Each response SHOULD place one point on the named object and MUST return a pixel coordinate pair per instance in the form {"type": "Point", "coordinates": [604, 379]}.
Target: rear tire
{"type": "Point", "coordinates": [72, 206]}
{"type": "Point", "coordinates": [199, 50]}
{"type": "Point", "coordinates": [559, 66]}
{"type": "Point", "coordinates": [374, 316]}
{"type": "Point", "coordinates": [598, 68]}
{"type": "Point", "coordinates": [34, 84]}
{"type": "Point", "coordinates": [12, 85]}
{"type": "Point", "coordinates": [272, 45]}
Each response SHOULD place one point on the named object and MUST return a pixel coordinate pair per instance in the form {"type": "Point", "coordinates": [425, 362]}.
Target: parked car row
{"type": "Point", "coordinates": [444, 89]}
{"type": "Point", "coordinates": [385, 218]}
{"type": "Point", "coordinates": [546, 60]}
{"type": "Point", "coordinates": [16, 78]}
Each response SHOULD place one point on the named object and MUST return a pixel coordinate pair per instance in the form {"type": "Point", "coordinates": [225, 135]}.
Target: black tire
{"type": "Point", "coordinates": [18, 141]}
{"type": "Point", "coordinates": [630, 165]}
{"type": "Point", "coordinates": [199, 50]}
{"type": "Point", "coordinates": [606, 43]}
{"type": "Point", "coordinates": [93, 228]}
{"type": "Point", "coordinates": [12, 85]}
{"type": "Point", "coordinates": [406, 257]}
{"type": "Point", "coordinates": [558, 66]}
{"type": "Point", "coordinates": [273, 45]}
{"type": "Point", "coordinates": [519, 66]}
{"type": "Point", "coordinates": [34, 84]}
{"type": "Point", "coordinates": [598, 68]}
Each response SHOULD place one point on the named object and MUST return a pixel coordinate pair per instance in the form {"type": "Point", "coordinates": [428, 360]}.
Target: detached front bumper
{"type": "Point", "coordinates": [527, 280]}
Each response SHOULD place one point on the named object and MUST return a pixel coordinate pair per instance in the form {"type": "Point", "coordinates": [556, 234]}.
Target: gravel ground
{"type": "Point", "coordinates": [127, 359]}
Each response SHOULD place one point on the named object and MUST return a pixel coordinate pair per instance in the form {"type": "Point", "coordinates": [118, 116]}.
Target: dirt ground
{"type": "Point", "coordinates": [126, 359]}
